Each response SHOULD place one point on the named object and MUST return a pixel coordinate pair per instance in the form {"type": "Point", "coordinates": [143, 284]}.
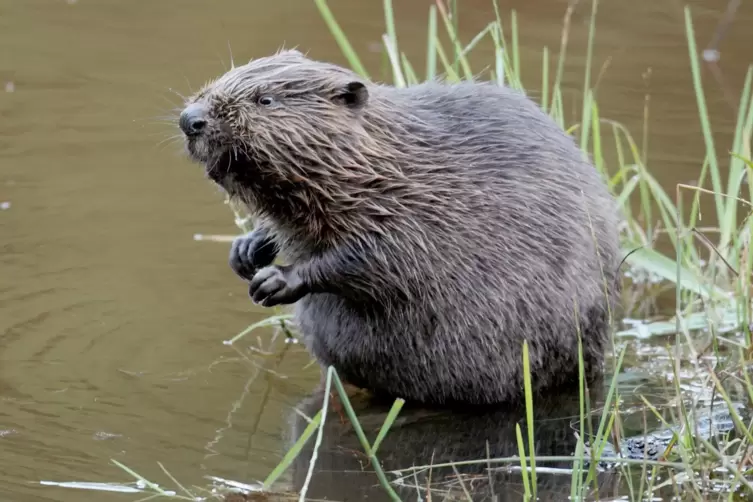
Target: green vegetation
{"type": "Point", "coordinates": [711, 270]}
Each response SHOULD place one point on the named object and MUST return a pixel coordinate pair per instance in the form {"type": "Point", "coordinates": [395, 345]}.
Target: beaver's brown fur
{"type": "Point", "coordinates": [427, 231]}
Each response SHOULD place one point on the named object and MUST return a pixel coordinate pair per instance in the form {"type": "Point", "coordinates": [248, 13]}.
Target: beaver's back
{"type": "Point", "coordinates": [504, 252]}
{"type": "Point", "coordinates": [508, 184]}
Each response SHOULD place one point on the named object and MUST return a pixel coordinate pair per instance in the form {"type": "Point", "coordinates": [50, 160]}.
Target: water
{"type": "Point", "coordinates": [112, 316]}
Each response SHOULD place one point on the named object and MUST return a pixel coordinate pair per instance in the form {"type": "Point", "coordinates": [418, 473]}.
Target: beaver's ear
{"type": "Point", "coordinates": [353, 95]}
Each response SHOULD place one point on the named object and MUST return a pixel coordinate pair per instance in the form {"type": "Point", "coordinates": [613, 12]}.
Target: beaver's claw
{"type": "Point", "coordinates": [276, 285]}
{"type": "Point", "coordinates": [250, 252]}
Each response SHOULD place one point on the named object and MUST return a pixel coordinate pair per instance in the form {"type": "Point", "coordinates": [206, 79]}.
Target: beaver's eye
{"type": "Point", "coordinates": [266, 100]}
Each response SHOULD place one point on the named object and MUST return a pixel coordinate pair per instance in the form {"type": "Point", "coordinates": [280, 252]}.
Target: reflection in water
{"type": "Point", "coordinates": [422, 437]}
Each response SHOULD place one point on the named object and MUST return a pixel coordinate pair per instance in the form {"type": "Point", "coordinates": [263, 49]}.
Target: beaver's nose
{"type": "Point", "coordinates": [193, 119]}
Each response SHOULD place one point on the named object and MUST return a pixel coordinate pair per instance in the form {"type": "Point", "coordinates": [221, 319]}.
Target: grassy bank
{"type": "Point", "coordinates": [710, 270]}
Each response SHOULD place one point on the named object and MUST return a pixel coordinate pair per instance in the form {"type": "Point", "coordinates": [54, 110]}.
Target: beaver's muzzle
{"type": "Point", "coordinates": [193, 119]}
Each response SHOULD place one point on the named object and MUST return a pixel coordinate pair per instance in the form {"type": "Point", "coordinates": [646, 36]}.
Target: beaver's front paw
{"type": "Point", "coordinates": [276, 285]}
{"type": "Point", "coordinates": [251, 252]}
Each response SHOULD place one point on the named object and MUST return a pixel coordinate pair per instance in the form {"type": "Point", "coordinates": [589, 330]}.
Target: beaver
{"type": "Point", "coordinates": [423, 233]}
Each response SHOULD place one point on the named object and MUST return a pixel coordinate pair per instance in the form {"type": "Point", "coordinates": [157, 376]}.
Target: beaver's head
{"type": "Point", "coordinates": [279, 116]}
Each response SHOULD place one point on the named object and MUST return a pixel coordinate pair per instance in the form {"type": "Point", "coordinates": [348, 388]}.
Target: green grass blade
{"type": "Point", "coordinates": [431, 50]}
{"type": "Point", "coordinates": [515, 45]}
{"type": "Point", "coordinates": [340, 38]}
{"type": "Point", "coordinates": [528, 389]}
{"type": "Point", "coordinates": [388, 421]}
{"type": "Point", "coordinates": [500, 58]}
{"type": "Point", "coordinates": [410, 75]}
{"type": "Point", "coordinates": [605, 423]}
{"type": "Point", "coordinates": [362, 437]}
{"type": "Point", "coordinates": [269, 321]}
{"type": "Point", "coordinates": [545, 79]}
{"type": "Point", "coordinates": [185, 490]}
{"type": "Point", "coordinates": [587, 92]}
{"type": "Point", "coordinates": [291, 455]}
{"type": "Point", "coordinates": [390, 43]}
{"type": "Point", "coordinates": [523, 463]}
{"type": "Point", "coordinates": [598, 155]}
{"type": "Point", "coordinates": [455, 43]}
{"type": "Point", "coordinates": [389, 21]}
{"type": "Point", "coordinates": [586, 124]}
{"type": "Point", "coordinates": [451, 75]}
{"type": "Point", "coordinates": [557, 87]}
{"type": "Point", "coordinates": [479, 36]}
{"type": "Point", "coordinates": [397, 72]}
{"type": "Point", "coordinates": [666, 268]}
{"type": "Point", "coordinates": [708, 137]}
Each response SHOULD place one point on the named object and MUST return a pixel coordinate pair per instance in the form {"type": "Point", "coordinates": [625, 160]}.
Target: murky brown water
{"type": "Point", "coordinates": [112, 317]}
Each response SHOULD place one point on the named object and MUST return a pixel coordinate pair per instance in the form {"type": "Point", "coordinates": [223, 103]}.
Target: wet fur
{"type": "Point", "coordinates": [435, 227]}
